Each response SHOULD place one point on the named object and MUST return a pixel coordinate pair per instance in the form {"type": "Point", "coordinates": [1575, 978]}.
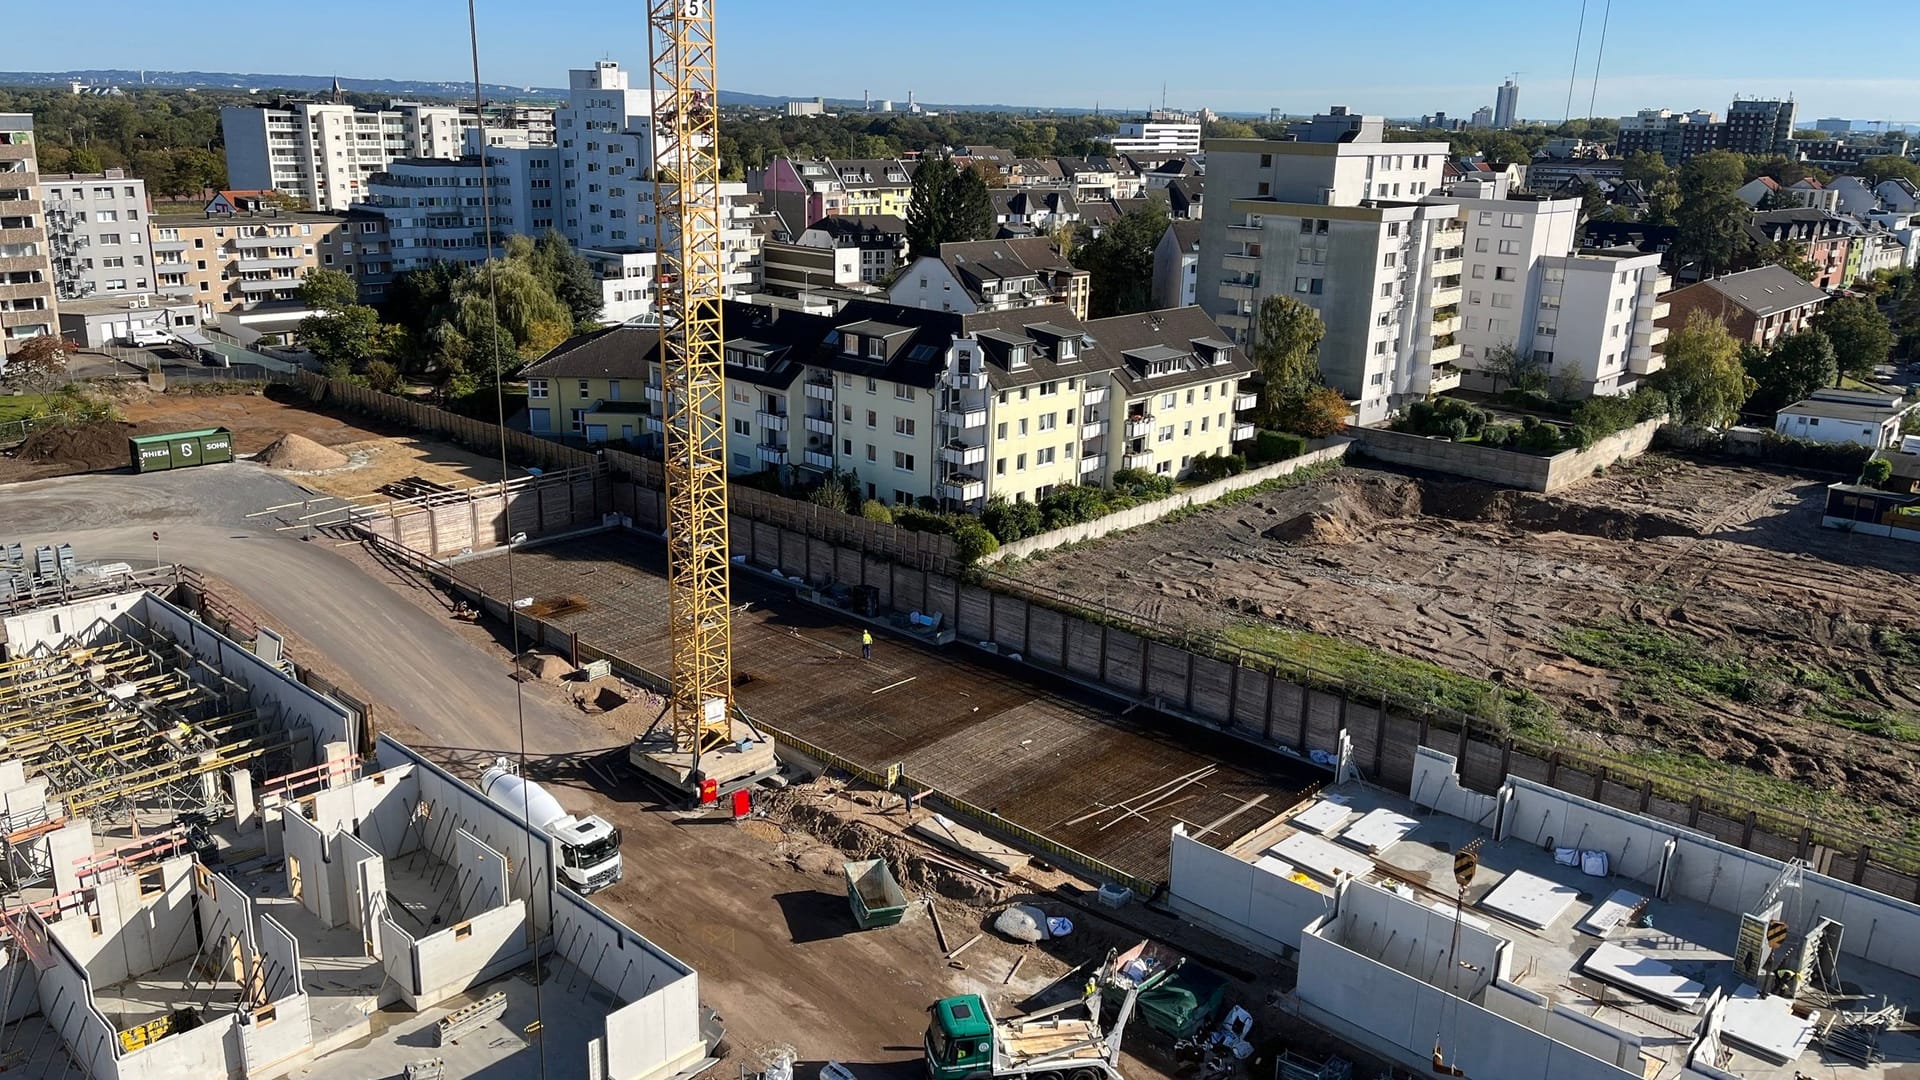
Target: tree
{"type": "Point", "coordinates": [1712, 218]}
{"type": "Point", "coordinates": [572, 279]}
{"type": "Point", "coordinates": [947, 204]}
{"type": "Point", "coordinates": [39, 366]}
{"type": "Point", "coordinates": [1646, 168]}
{"type": "Point", "coordinates": [1315, 411]}
{"type": "Point", "coordinates": [1788, 256]}
{"type": "Point", "coordinates": [1120, 261]}
{"type": "Point", "coordinates": [328, 290]}
{"type": "Point", "coordinates": [1286, 350]}
{"type": "Point", "coordinates": [351, 335]}
{"type": "Point", "coordinates": [1795, 368]}
{"type": "Point", "coordinates": [1593, 202]}
{"type": "Point", "coordinates": [1704, 380]}
{"type": "Point", "coordinates": [1876, 472]}
{"type": "Point", "coordinates": [1876, 169]}
{"type": "Point", "coordinates": [1862, 338]}
{"type": "Point", "coordinates": [1506, 363]}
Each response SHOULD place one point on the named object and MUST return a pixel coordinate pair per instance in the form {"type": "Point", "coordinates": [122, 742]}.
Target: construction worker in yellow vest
{"type": "Point", "coordinates": [866, 644]}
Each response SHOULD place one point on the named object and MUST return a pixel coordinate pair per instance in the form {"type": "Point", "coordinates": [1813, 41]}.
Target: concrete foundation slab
{"type": "Point", "coordinates": [1379, 830]}
{"type": "Point", "coordinates": [1766, 1026]}
{"type": "Point", "coordinates": [1327, 861]}
{"type": "Point", "coordinates": [1529, 900]}
{"type": "Point", "coordinates": [739, 762]}
{"type": "Point", "coordinates": [1652, 979]}
{"type": "Point", "coordinates": [1323, 816]}
{"type": "Point", "coordinates": [1610, 913]}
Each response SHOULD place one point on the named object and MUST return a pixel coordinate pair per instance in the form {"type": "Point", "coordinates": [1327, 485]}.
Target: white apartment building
{"type": "Point", "coordinates": [27, 301]}
{"type": "Point", "coordinates": [97, 233]}
{"type": "Point", "coordinates": [605, 138]}
{"type": "Point", "coordinates": [1345, 228]}
{"type": "Point", "coordinates": [1588, 319]}
{"type": "Point", "coordinates": [325, 153]}
{"type": "Point", "coordinates": [1155, 140]}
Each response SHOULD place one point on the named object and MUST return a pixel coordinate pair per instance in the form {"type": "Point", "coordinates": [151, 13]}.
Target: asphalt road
{"type": "Point", "coordinates": [399, 653]}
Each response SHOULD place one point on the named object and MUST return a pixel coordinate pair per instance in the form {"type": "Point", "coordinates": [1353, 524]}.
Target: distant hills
{"type": "Point", "coordinates": [402, 88]}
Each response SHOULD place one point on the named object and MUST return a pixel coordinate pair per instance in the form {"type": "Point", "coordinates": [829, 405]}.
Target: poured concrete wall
{"type": "Point", "coordinates": [658, 1031]}
{"type": "Point", "coordinates": [1436, 784]}
{"type": "Point", "coordinates": [318, 886]}
{"type": "Point", "coordinates": [1245, 902]}
{"type": "Point", "coordinates": [85, 622]}
{"type": "Point", "coordinates": [1394, 1014]}
{"type": "Point", "coordinates": [282, 1028]}
{"type": "Point", "coordinates": [226, 910]}
{"type": "Point", "coordinates": [452, 960]}
{"type": "Point", "coordinates": [211, 1050]}
{"type": "Point", "coordinates": [275, 695]}
{"type": "Point", "coordinates": [1508, 468]}
{"type": "Point", "coordinates": [67, 1000]}
{"type": "Point", "coordinates": [352, 855]}
{"type": "Point", "coordinates": [480, 871]}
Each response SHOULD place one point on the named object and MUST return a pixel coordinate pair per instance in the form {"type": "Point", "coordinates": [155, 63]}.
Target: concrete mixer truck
{"type": "Point", "coordinates": [589, 847]}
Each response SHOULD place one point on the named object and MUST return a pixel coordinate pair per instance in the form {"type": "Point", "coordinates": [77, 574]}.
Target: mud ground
{"type": "Point", "coordinates": [1667, 575]}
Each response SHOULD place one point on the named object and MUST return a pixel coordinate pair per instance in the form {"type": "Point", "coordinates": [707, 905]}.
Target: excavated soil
{"type": "Point", "coordinates": [1727, 561]}
{"type": "Point", "coordinates": [79, 447]}
{"type": "Point", "coordinates": [297, 453]}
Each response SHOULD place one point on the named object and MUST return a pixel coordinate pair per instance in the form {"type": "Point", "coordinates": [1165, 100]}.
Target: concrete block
{"type": "Point", "coordinates": [64, 845]}
{"type": "Point", "coordinates": [246, 816]}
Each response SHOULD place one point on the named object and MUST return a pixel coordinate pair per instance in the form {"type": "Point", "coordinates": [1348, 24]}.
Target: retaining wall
{"type": "Point", "coordinates": [1136, 516]}
{"type": "Point", "coordinates": [1508, 468]}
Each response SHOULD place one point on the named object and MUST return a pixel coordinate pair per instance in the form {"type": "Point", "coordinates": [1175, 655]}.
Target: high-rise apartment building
{"type": "Point", "coordinates": [97, 233]}
{"type": "Point", "coordinates": [1155, 139]}
{"type": "Point", "coordinates": [1506, 104]}
{"type": "Point", "coordinates": [324, 153]}
{"type": "Point", "coordinates": [27, 302]}
{"type": "Point", "coordinates": [1751, 127]}
{"type": "Point", "coordinates": [1759, 127]}
{"type": "Point", "coordinates": [1346, 229]}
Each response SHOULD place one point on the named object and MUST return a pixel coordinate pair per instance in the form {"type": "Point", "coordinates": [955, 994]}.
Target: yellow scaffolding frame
{"type": "Point", "coordinates": [686, 188]}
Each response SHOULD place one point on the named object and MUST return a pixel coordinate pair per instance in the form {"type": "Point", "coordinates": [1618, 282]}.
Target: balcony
{"type": "Point", "coordinates": [273, 285]}
{"type": "Point", "coordinates": [1653, 307]}
{"type": "Point", "coordinates": [1244, 401]}
{"type": "Point", "coordinates": [1448, 267]}
{"type": "Point", "coordinates": [22, 236]}
{"type": "Point", "coordinates": [1092, 463]}
{"type": "Point", "coordinates": [1254, 230]}
{"type": "Point", "coordinates": [270, 264]}
{"type": "Point", "coordinates": [955, 454]}
{"type": "Point", "coordinates": [1139, 427]}
{"type": "Point", "coordinates": [963, 489]}
{"type": "Point", "coordinates": [1093, 429]}
{"type": "Point", "coordinates": [772, 421]}
{"type": "Point", "coordinates": [1442, 378]}
{"type": "Point", "coordinates": [1094, 395]}
{"type": "Point", "coordinates": [1645, 360]}
{"type": "Point", "coordinates": [22, 262]}
{"type": "Point", "coordinates": [654, 425]}
{"type": "Point", "coordinates": [18, 207]}
{"type": "Point", "coordinates": [1137, 459]}
{"type": "Point", "coordinates": [1447, 295]}
{"type": "Point", "coordinates": [964, 418]}
{"type": "Point", "coordinates": [1242, 431]}
{"type": "Point", "coordinates": [1647, 336]}
{"type": "Point", "coordinates": [654, 393]}
{"type": "Point", "coordinates": [773, 455]}
{"type": "Point", "coordinates": [1237, 290]}
{"type": "Point", "coordinates": [1445, 324]}
{"type": "Point", "coordinates": [820, 425]}
{"type": "Point", "coordinates": [1236, 261]}
{"type": "Point", "coordinates": [1444, 354]}
{"type": "Point", "coordinates": [16, 151]}
{"type": "Point", "coordinates": [971, 378]}
{"type": "Point", "coordinates": [819, 459]}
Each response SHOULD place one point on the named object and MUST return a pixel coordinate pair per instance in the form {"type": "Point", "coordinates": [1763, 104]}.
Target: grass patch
{"type": "Point", "coordinates": [21, 406]}
{"type": "Point", "coordinates": [1296, 478]}
{"type": "Point", "coordinates": [1518, 710]}
{"type": "Point", "coordinates": [1829, 813]}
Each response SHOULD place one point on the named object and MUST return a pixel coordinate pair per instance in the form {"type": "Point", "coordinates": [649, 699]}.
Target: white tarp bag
{"type": "Point", "coordinates": [1593, 863]}
{"type": "Point", "coordinates": [1566, 856]}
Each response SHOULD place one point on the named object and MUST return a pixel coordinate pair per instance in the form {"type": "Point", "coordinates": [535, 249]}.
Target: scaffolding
{"type": "Point", "coordinates": [131, 729]}
{"type": "Point", "coordinates": [65, 249]}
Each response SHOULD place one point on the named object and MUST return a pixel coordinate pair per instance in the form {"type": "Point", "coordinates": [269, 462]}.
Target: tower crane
{"type": "Point", "coordinates": [689, 287]}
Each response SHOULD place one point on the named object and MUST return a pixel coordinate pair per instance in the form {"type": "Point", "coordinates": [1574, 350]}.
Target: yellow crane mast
{"type": "Point", "coordinates": [689, 286]}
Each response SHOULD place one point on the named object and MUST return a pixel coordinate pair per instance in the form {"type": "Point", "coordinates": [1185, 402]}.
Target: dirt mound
{"type": "Point", "coordinates": [298, 453]}
{"type": "Point", "coordinates": [1346, 511]}
{"type": "Point", "coordinates": [545, 666]}
{"type": "Point", "coordinates": [100, 445]}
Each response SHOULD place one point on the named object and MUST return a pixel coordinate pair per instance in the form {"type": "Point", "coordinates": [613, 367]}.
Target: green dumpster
{"type": "Point", "coordinates": [180, 449]}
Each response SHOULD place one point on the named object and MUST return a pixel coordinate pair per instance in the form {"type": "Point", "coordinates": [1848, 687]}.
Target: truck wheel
{"type": "Point", "coordinates": [1083, 1074]}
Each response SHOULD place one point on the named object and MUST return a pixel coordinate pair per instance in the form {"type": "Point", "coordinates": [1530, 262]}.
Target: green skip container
{"type": "Point", "coordinates": [180, 449]}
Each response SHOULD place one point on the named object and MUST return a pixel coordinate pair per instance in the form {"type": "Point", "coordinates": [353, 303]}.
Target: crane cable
{"type": "Point", "coordinates": [506, 518]}
{"type": "Point", "coordinates": [1574, 75]}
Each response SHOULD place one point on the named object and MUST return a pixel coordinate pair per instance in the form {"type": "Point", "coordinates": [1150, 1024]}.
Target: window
{"type": "Point", "coordinates": [1502, 300]}
{"type": "Point", "coordinates": [1000, 466]}
{"type": "Point", "coordinates": [1019, 461]}
{"type": "Point", "coordinates": [876, 348]}
{"type": "Point", "coordinates": [1049, 422]}
{"type": "Point", "coordinates": [1379, 348]}
{"type": "Point", "coordinates": [1389, 259]}
{"type": "Point", "coordinates": [1486, 217]}
{"type": "Point", "coordinates": [1166, 434]}
{"type": "Point", "coordinates": [873, 419]}
{"type": "Point", "coordinates": [1048, 389]}
{"type": "Point", "coordinates": [1043, 456]}
{"type": "Point", "coordinates": [1168, 401]}
{"type": "Point", "coordinates": [1479, 272]}
{"type": "Point", "coordinates": [109, 238]}
{"type": "Point", "coordinates": [1509, 247]}
{"type": "Point", "coordinates": [1386, 288]}
{"type": "Point", "coordinates": [1473, 297]}
{"type": "Point", "coordinates": [1023, 428]}
{"type": "Point", "coordinates": [902, 426]}
{"type": "Point", "coordinates": [1503, 273]}
{"type": "Point", "coordinates": [1316, 286]}
{"type": "Point", "coordinates": [872, 454]}
{"type": "Point", "coordinates": [106, 215]}
{"type": "Point", "coordinates": [846, 413]}
{"type": "Point", "coordinates": [873, 385]}
{"type": "Point", "coordinates": [1306, 226]}
{"type": "Point", "coordinates": [1299, 284]}
{"type": "Point", "coordinates": [902, 461]}
{"type": "Point", "coordinates": [583, 388]}
{"type": "Point", "coordinates": [537, 388]}
{"type": "Point", "coordinates": [743, 427]}
{"type": "Point", "coordinates": [846, 447]}
{"type": "Point", "coordinates": [903, 391]}
{"type": "Point", "coordinates": [1480, 244]}
{"type": "Point", "coordinates": [577, 418]}
{"type": "Point", "coordinates": [1511, 221]}
{"type": "Point", "coordinates": [1000, 431]}
{"type": "Point", "coordinates": [1393, 228]}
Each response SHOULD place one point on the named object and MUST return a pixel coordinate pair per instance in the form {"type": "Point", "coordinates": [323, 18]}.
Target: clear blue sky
{"type": "Point", "coordinates": [1390, 56]}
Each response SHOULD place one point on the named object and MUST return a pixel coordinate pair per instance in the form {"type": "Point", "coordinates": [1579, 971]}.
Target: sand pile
{"type": "Point", "coordinates": [100, 445]}
{"type": "Point", "coordinates": [298, 453]}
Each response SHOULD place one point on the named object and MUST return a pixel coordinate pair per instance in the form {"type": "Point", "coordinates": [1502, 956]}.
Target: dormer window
{"type": "Point", "coordinates": [1067, 349]}
{"type": "Point", "coordinates": [1017, 356]}
{"type": "Point", "coordinates": [876, 348]}
{"type": "Point", "coordinates": [850, 344]}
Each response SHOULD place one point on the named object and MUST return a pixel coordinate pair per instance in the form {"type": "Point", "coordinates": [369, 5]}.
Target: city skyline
{"type": "Point", "coordinates": [764, 54]}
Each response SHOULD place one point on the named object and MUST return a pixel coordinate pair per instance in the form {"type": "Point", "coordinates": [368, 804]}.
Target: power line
{"type": "Point", "coordinates": [513, 620]}
{"type": "Point", "coordinates": [1574, 75]}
